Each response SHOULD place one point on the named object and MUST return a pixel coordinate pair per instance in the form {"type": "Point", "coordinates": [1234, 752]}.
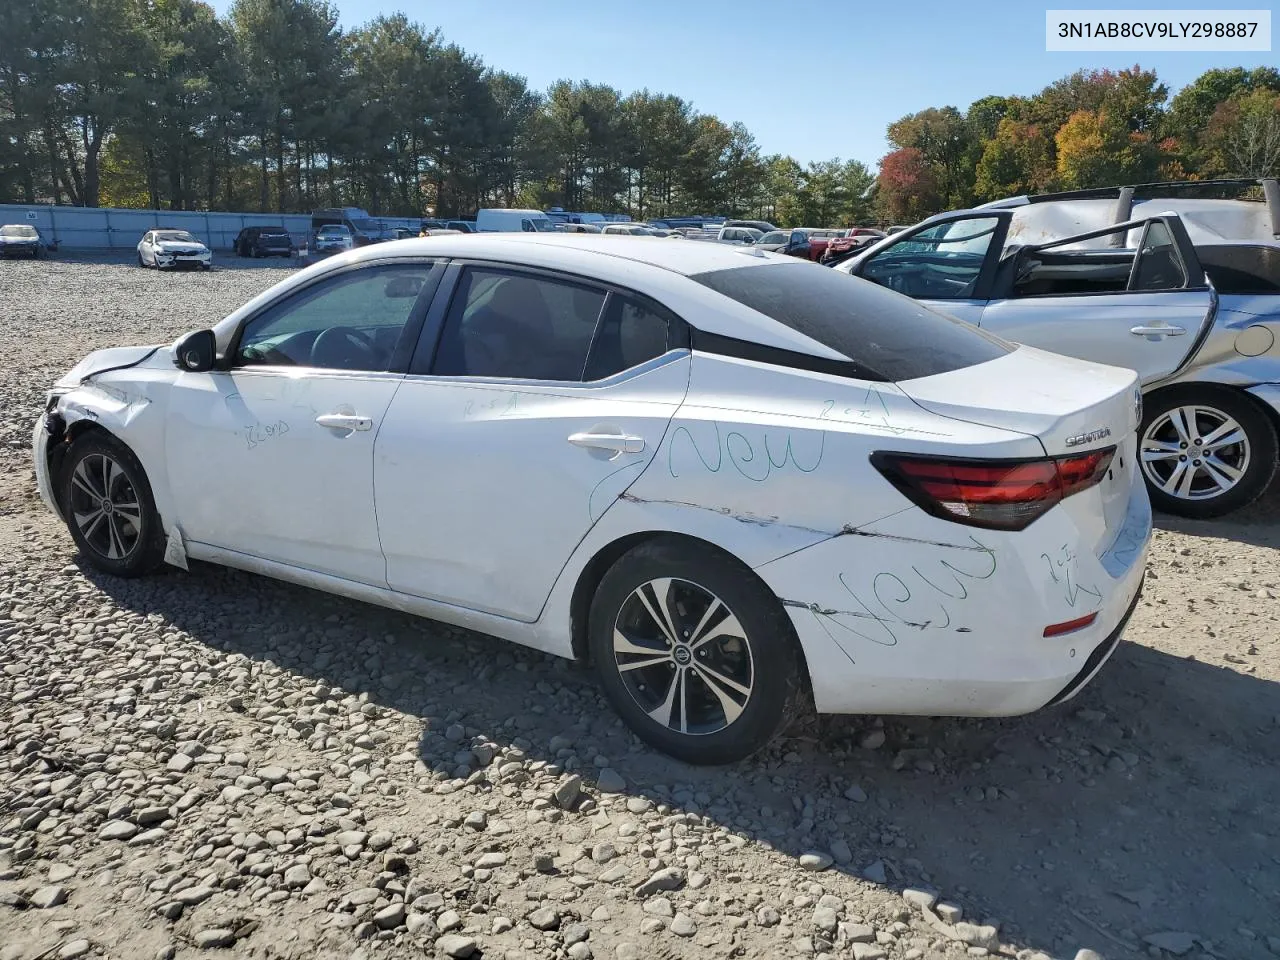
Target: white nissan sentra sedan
{"type": "Point", "coordinates": [731, 480]}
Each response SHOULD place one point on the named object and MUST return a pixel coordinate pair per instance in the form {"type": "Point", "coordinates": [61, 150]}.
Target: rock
{"type": "Point", "coordinates": [544, 918]}
{"type": "Point", "coordinates": [47, 897]}
{"type": "Point", "coordinates": [457, 946]}
{"type": "Point", "coordinates": [627, 951]}
{"type": "Point", "coordinates": [978, 936]}
{"type": "Point", "coordinates": [60, 872]}
{"type": "Point", "coordinates": [920, 899]}
{"type": "Point", "coordinates": [273, 774]}
{"type": "Point", "coordinates": [476, 820]}
{"type": "Point", "coordinates": [501, 925]}
{"type": "Point", "coordinates": [73, 948]}
{"type": "Point", "coordinates": [825, 919]}
{"type": "Point", "coordinates": [873, 740]}
{"type": "Point", "coordinates": [1087, 954]}
{"type": "Point", "coordinates": [297, 876]}
{"type": "Point", "coordinates": [859, 933]}
{"type": "Point", "coordinates": [659, 907]}
{"type": "Point", "coordinates": [840, 850]}
{"type": "Point", "coordinates": [180, 763]}
{"type": "Point", "coordinates": [491, 861]}
{"type": "Point", "coordinates": [683, 925]}
{"type": "Point", "coordinates": [1172, 941]}
{"type": "Point", "coordinates": [609, 780]}
{"type": "Point", "coordinates": [566, 794]}
{"type": "Point", "coordinates": [949, 912]}
{"type": "Point", "coordinates": [768, 917]}
{"type": "Point", "coordinates": [580, 951]}
{"type": "Point", "coordinates": [449, 920]}
{"type": "Point", "coordinates": [815, 860]}
{"type": "Point", "coordinates": [1273, 944]}
{"type": "Point", "coordinates": [351, 838]}
{"type": "Point", "coordinates": [875, 873]}
{"type": "Point", "coordinates": [868, 951]}
{"type": "Point", "coordinates": [118, 829]}
{"type": "Point", "coordinates": [388, 918]}
{"type": "Point", "coordinates": [856, 794]}
{"type": "Point", "coordinates": [668, 878]}
{"type": "Point", "coordinates": [363, 895]}
{"type": "Point", "coordinates": [191, 896]}
{"type": "Point", "coordinates": [420, 923]}
{"type": "Point", "coordinates": [215, 937]}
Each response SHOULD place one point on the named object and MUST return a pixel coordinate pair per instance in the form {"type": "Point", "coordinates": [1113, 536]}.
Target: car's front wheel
{"type": "Point", "coordinates": [108, 506]}
{"type": "Point", "coordinates": [1205, 450]}
{"type": "Point", "coordinates": [694, 652]}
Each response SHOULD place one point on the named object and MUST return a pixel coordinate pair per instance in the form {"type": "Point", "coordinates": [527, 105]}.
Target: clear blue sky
{"type": "Point", "coordinates": [815, 80]}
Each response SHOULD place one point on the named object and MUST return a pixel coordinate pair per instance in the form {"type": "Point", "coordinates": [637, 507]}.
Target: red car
{"type": "Point", "coordinates": [849, 241]}
{"type": "Point", "coordinates": [818, 241]}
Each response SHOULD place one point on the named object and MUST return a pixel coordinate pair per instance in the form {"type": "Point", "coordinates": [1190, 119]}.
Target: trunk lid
{"type": "Point", "coordinates": [1071, 406]}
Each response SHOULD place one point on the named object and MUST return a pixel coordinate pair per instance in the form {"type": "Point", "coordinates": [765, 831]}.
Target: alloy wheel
{"type": "Point", "coordinates": [683, 656]}
{"type": "Point", "coordinates": [1195, 452]}
{"type": "Point", "coordinates": [105, 507]}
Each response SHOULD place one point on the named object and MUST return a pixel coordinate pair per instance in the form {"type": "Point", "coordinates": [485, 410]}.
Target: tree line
{"type": "Point", "coordinates": [1092, 128]}
{"type": "Point", "coordinates": [164, 104]}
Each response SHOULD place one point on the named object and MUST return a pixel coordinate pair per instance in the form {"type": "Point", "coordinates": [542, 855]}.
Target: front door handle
{"type": "Point", "coordinates": [345, 421]}
{"type": "Point", "coordinates": [1163, 331]}
{"type": "Point", "coordinates": [617, 442]}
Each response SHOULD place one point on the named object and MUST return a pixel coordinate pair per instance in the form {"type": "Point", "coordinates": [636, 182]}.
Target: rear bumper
{"type": "Point", "coordinates": [901, 621]}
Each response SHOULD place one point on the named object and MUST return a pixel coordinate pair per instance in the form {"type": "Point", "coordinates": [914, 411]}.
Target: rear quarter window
{"type": "Point", "coordinates": [885, 335]}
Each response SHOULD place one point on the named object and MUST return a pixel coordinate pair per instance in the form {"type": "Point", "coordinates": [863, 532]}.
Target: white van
{"type": "Point", "coordinates": [513, 221]}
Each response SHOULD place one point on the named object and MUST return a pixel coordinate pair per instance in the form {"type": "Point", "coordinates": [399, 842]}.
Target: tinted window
{"type": "Point", "coordinates": [888, 337]}
{"type": "Point", "coordinates": [352, 322]}
{"type": "Point", "coordinates": [503, 324]}
{"type": "Point", "coordinates": [941, 263]}
{"type": "Point", "coordinates": [630, 333]}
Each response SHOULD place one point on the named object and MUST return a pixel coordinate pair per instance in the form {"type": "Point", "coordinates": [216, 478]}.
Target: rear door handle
{"type": "Point", "coordinates": [617, 442]}
{"type": "Point", "coordinates": [1169, 331]}
{"type": "Point", "coordinates": [345, 421]}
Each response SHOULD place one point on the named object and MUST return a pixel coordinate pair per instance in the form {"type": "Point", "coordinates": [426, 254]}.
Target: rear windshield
{"type": "Point", "coordinates": [889, 336]}
{"type": "Point", "coordinates": [19, 230]}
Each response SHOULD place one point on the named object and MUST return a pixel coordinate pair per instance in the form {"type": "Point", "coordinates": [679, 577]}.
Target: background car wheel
{"type": "Point", "coordinates": [694, 652]}
{"type": "Point", "coordinates": [1205, 450]}
{"type": "Point", "coordinates": [107, 502]}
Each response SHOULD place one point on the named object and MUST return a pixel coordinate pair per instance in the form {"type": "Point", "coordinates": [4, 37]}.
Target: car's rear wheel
{"type": "Point", "coordinates": [694, 652]}
{"type": "Point", "coordinates": [1205, 450]}
{"type": "Point", "coordinates": [108, 506]}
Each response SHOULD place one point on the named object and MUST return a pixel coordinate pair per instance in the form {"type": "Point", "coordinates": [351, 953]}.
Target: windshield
{"type": "Point", "coordinates": [366, 226]}
{"type": "Point", "coordinates": [334, 232]}
{"type": "Point", "coordinates": [775, 237]}
{"type": "Point", "coordinates": [888, 336]}
{"type": "Point", "coordinates": [175, 236]}
{"type": "Point", "coordinates": [542, 225]}
{"type": "Point", "coordinates": [19, 230]}
{"type": "Point", "coordinates": [270, 232]}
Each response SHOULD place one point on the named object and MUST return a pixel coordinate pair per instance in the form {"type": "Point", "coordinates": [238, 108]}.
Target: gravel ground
{"type": "Point", "coordinates": [214, 761]}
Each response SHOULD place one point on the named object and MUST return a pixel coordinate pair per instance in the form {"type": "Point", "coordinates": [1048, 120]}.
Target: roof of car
{"type": "Point", "coordinates": [580, 249]}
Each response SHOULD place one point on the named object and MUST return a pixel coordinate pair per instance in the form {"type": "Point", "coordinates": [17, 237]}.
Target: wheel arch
{"type": "Point", "coordinates": [1214, 386]}
{"type": "Point", "coordinates": [588, 580]}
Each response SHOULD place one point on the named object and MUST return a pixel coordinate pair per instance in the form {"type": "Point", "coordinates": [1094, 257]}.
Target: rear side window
{"type": "Point", "coordinates": [886, 336]}
{"type": "Point", "coordinates": [631, 333]}
{"type": "Point", "coordinates": [507, 324]}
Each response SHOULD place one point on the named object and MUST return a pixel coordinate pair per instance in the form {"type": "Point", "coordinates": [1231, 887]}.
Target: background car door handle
{"type": "Point", "coordinates": [1169, 331]}
{"type": "Point", "coordinates": [345, 421]}
{"type": "Point", "coordinates": [618, 442]}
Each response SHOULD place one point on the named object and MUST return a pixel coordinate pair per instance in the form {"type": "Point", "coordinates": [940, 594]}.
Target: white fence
{"type": "Point", "coordinates": [109, 228]}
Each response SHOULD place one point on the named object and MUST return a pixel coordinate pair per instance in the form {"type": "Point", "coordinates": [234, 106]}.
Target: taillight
{"type": "Point", "coordinates": [999, 494]}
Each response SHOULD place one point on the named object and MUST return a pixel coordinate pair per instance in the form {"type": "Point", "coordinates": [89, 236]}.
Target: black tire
{"type": "Point", "coordinates": [771, 665]}
{"type": "Point", "coordinates": [1255, 458]}
{"type": "Point", "coordinates": [124, 543]}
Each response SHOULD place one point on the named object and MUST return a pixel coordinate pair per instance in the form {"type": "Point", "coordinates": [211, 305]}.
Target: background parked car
{"type": "Point", "coordinates": [333, 238]}
{"type": "Point", "coordinates": [1198, 319]}
{"type": "Point", "coordinates": [794, 243]}
{"type": "Point", "coordinates": [739, 235]}
{"type": "Point", "coordinates": [503, 220]}
{"type": "Point", "coordinates": [577, 228]}
{"type": "Point", "coordinates": [462, 226]}
{"type": "Point", "coordinates": [764, 226]}
{"type": "Point", "coordinates": [264, 242]}
{"type": "Point", "coordinates": [854, 239]}
{"type": "Point", "coordinates": [168, 249]}
{"type": "Point", "coordinates": [21, 240]}
{"type": "Point", "coordinates": [625, 229]}
{"type": "Point", "coordinates": [363, 228]}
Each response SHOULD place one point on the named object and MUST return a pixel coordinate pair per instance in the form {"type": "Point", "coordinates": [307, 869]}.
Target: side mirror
{"type": "Point", "coordinates": [196, 352]}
